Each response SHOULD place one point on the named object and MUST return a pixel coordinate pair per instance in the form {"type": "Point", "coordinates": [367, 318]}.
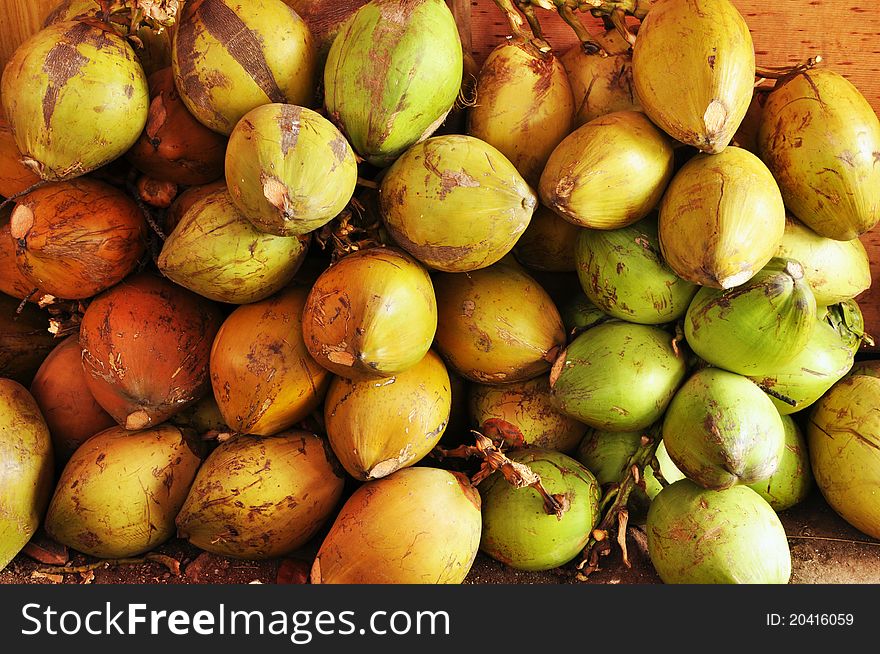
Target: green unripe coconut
{"type": "Point", "coordinates": [843, 434]}
{"type": "Point", "coordinates": [623, 273]}
{"type": "Point", "coordinates": [27, 473]}
{"type": "Point", "coordinates": [835, 270]}
{"type": "Point", "coordinates": [608, 173]}
{"type": "Point", "coordinates": [819, 136]}
{"type": "Point", "coordinates": [121, 490]}
{"type": "Point", "coordinates": [289, 170]}
{"type": "Point", "coordinates": [230, 57]}
{"type": "Point", "coordinates": [757, 327]}
{"type": "Point", "coordinates": [732, 536]}
{"type": "Point", "coordinates": [392, 74]}
{"type": "Point", "coordinates": [579, 313]}
{"type": "Point", "coordinates": [218, 253]}
{"type": "Point", "coordinates": [617, 376]}
{"type": "Point", "coordinates": [76, 96]}
{"type": "Point", "coordinates": [793, 479]}
{"type": "Point", "coordinates": [455, 203]}
{"type": "Point", "coordinates": [708, 43]}
{"type": "Point", "coordinates": [518, 531]}
{"type": "Point", "coordinates": [528, 406]}
{"type": "Point", "coordinates": [721, 429]}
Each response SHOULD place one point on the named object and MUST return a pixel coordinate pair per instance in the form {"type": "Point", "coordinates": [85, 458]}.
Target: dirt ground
{"type": "Point", "coordinates": [825, 550]}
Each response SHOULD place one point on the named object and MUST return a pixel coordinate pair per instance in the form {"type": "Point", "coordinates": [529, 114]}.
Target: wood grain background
{"type": "Point", "coordinates": [845, 32]}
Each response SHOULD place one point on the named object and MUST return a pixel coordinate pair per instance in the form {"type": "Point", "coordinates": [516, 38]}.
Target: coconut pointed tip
{"type": "Point", "coordinates": [21, 221]}
{"type": "Point", "coordinates": [794, 269]}
{"type": "Point", "coordinates": [556, 369]}
{"type": "Point", "coordinates": [736, 280]}
{"type": "Point", "coordinates": [315, 575]}
{"type": "Point", "coordinates": [137, 420]}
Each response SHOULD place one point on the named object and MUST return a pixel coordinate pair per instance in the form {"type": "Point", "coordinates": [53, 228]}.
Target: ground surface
{"type": "Point", "coordinates": [825, 550]}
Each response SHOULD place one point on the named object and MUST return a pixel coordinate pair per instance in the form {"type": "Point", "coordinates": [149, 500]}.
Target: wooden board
{"type": "Point", "coordinates": [845, 32]}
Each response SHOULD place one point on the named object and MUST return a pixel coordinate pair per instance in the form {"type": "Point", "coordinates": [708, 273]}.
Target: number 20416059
{"type": "Point", "coordinates": [810, 620]}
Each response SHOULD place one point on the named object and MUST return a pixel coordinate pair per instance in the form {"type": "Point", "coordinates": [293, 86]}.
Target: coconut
{"type": "Point", "coordinates": [12, 280]}
{"type": "Point", "coordinates": [835, 270]}
{"type": "Point", "coordinates": [26, 475]}
{"type": "Point", "coordinates": [372, 314]}
{"type": "Point", "coordinates": [263, 377]}
{"type": "Point", "coordinates": [174, 146]}
{"type": "Point", "coordinates": [548, 244]}
{"type": "Point", "coordinates": [392, 74]}
{"type": "Point", "coordinates": [722, 219]}
{"type": "Point", "coordinates": [721, 429]}
{"type": "Point", "coordinates": [756, 328]}
{"type": "Point", "coordinates": [78, 238]}
{"type": "Point", "coordinates": [708, 44]}
{"type": "Point", "coordinates": [617, 376]}
{"type": "Point", "coordinates": [15, 176]}
{"type": "Point", "coordinates": [793, 480]}
{"type": "Point", "coordinates": [325, 18]}
{"type": "Point", "coordinates": [379, 426]}
{"type": "Point", "coordinates": [518, 531]}
{"type": "Point", "coordinates": [601, 82]}
{"type": "Point", "coordinates": [216, 251]}
{"type": "Point", "coordinates": [825, 359]}
{"type": "Point", "coordinates": [76, 97]}
{"type": "Point", "coordinates": [229, 58]}
{"type": "Point", "coordinates": [528, 406]}
{"type": "Point", "coordinates": [25, 340]}
{"type": "Point", "coordinates": [61, 391]}
{"type": "Point", "coordinates": [496, 325]}
{"type": "Point", "coordinates": [455, 203]}
{"type": "Point", "coordinates": [818, 136]}
{"type": "Point", "coordinates": [623, 273]}
{"type": "Point", "coordinates": [524, 105]}
{"type": "Point", "coordinates": [288, 169]}
{"type": "Point", "coordinates": [260, 498]}
{"type": "Point", "coordinates": [843, 435]}
{"type": "Point", "coordinates": [608, 173]}
{"type": "Point", "coordinates": [415, 526]}
{"type": "Point", "coordinates": [187, 199]}
{"type": "Point", "coordinates": [579, 313]}
{"type": "Point", "coordinates": [699, 536]}
{"type": "Point", "coordinates": [202, 417]}
{"type": "Point", "coordinates": [120, 492]}
{"type": "Point", "coordinates": [146, 346]}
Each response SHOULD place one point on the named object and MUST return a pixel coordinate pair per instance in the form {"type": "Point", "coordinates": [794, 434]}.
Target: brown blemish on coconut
{"type": "Point", "coordinates": [289, 120]}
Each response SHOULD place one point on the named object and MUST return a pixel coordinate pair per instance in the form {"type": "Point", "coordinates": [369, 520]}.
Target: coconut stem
{"type": "Point", "coordinates": [613, 508]}
{"type": "Point", "coordinates": [778, 72]}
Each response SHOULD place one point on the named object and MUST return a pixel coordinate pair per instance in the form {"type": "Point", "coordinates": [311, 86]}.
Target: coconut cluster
{"type": "Point", "coordinates": [308, 299]}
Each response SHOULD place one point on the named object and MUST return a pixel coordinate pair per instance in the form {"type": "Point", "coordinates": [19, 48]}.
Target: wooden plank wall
{"type": "Point", "coordinates": [845, 32]}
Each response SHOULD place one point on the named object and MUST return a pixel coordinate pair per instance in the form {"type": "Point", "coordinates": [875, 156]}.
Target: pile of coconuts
{"type": "Point", "coordinates": [272, 288]}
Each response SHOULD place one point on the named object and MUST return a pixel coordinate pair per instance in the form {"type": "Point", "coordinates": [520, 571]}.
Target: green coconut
{"type": "Point", "coordinates": [288, 169]}
{"type": "Point", "coordinates": [261, 497]}
{"type": "Point", "coordinates": [617, 376]}
{"type": "Point", "coordinates": [28, 469]}
{"type": "Point", "coordinates": [835, 270]}
{"type": "Point", "coordinates": [518, 531]}
{"type": "Point", "coordinates": [229, 57]}
{"type": "Point", "coordinates": [843, 435]}
{"type": "Point", "coordinates": [496, 325]}
{"type": "Point", "coordinates": [609, 173]}
{"type": "Point", "coordinates": [392, 74]}
{"type": "Point", "coordinates": [579, 313]}
{"type": "Point", "coordinates": [721, 429]}
{"type": "Point", "coordinates": [820, 137]}
{"type": "Point", "coordinates": [416, 526]}
{"type": "Point", "coordinates": [793, 479]}
{"type": "Point", "coordinates": [623, 273]}
{"type": "Point", "coordinates": [755, 328]}
{"type": "Point", "coordinates": [455, 203]}
{"type": "Point", "coordinates": [826, 358]}
{"type": "Point", "coordinates": [732, 536]}
{"type": "Point", "coordinates": [524, 105]}
{"type": "Point", "coordinates": [722, 219]}
{"type": "Point", "coordinates": [218, 253]}
{"type": "Point", "coordinates": [707, 43]}
{"type": "Point", "coordinates": [121, 490]}
{"type": "Point", "coordinates": [76, 97]}
{"type": "Point", "coordinates": [528, 406]}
